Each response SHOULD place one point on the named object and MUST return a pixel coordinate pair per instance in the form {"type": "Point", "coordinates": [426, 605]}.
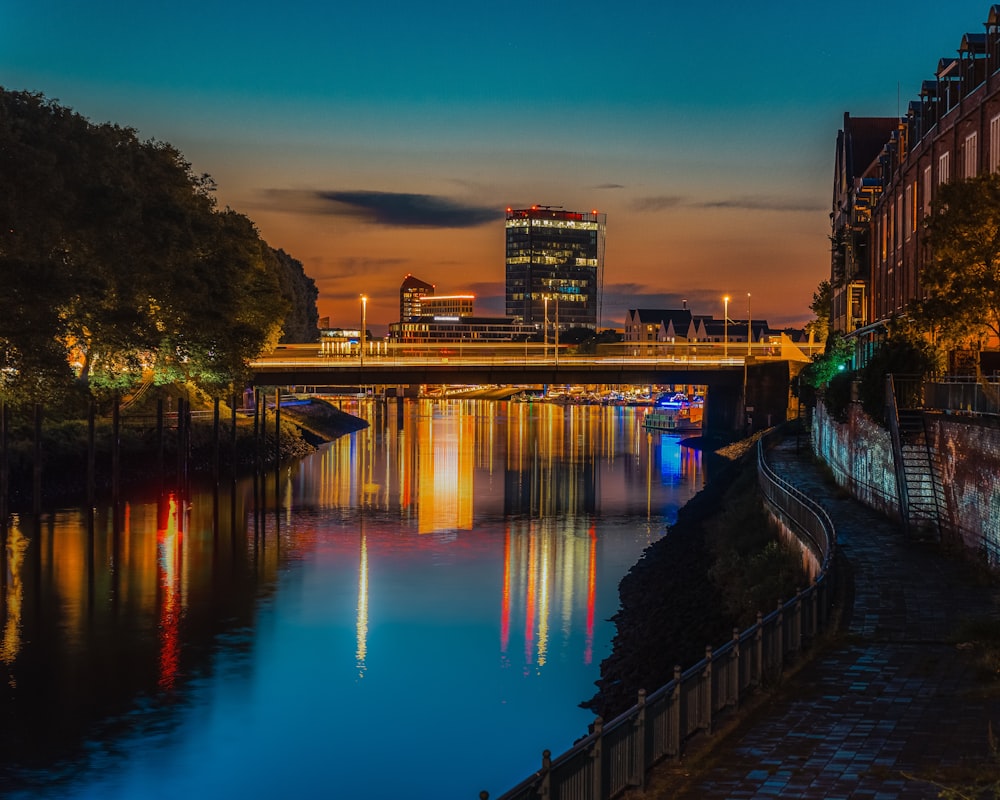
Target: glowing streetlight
{"type": "Point", "coordinates": [749, 321]}
{"type": "Point", "coordinates": [364, 313]}
{"type": "Point", "coordinates": [725, 329]}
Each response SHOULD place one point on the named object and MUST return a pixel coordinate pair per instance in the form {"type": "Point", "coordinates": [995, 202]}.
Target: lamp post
{"type": "Point", "coordinates": [545, 330]}
{"type": "Point", "coordinates": [361, 339]}
{"type": "Point", "coordinates": [749, 325]}
{"type": "Point", "coordinates": [725, 329]}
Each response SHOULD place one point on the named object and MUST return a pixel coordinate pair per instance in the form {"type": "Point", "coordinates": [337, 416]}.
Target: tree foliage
{"type": "Point", "coordinates": [821, 306]}
{"type": "Point", "coordinates": [117, 265]}
{"type": "Point", "coordinates": [961, 277]}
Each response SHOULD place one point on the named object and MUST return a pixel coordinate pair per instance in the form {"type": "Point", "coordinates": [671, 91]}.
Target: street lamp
{"type": "Point", "coordinates": [364, 313]}
{"type": "Point", "coordinates": [749, 328]}
{"type": "Point", "coordinates": [725, 329]}
{"type": "Point", "coordinates": [545, 330]}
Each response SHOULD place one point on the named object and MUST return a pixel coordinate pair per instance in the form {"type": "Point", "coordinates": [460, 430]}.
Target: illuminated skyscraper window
{"type": "Point", "coordinates": [555, 266]}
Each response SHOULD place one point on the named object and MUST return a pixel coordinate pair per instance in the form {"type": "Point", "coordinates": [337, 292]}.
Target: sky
{"type": "Point", "coordinates": [379, 139]}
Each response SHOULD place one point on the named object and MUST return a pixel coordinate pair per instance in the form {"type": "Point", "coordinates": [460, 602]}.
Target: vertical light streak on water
{"type": "Point", "coordinates": [362, 623]}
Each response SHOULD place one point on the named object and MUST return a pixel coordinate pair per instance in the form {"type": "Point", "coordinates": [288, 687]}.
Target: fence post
{"type": "Point", "coordinates": [706, 685]}
{"type": "Point", "coordinates": [759, 650]}
{"type": "Point", "coordinates": [736, 671]}
{"type": "Point", "coordinates": [640, 742]}
{"type": "Point", "coordinates": [813, 622]}
{"type": "Point", "coordinates": [544, 786]}
{"type": "Point", "coordinates": [780, 627]}
{"type": "Point", "coordinates": [797, 629]}
{"type": "Point", "coordinates": [597, 757]}
{"type": "Point", "coordinates": [676, 713]}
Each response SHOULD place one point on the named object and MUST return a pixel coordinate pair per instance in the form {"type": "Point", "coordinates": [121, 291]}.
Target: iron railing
{"type": "Point", "coordinates": [619, 754]}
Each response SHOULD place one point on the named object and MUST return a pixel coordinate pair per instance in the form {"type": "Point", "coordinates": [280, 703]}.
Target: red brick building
{"type": "Point", "coordinates": [883, 190]}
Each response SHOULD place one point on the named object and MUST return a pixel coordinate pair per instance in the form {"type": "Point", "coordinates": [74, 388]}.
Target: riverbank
{"type": "Point", "coordinates": [713, 570]}
{"type": "Point", "coordinates": [150, 458]}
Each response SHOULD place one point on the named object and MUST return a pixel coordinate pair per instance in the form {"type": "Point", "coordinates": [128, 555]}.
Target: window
{"type": "Point", "coordinates": [944, 168]}
{"type": "Point", "coordinates": [928, 183]}
{"type": "Point", "coordinates": [995, 144]}
{"type": "Point", "coordinates": [971, 155]}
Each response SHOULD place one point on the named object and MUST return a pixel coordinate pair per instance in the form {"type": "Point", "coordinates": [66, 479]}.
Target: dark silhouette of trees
{"type": "Point", "coordinates": [117, 267]}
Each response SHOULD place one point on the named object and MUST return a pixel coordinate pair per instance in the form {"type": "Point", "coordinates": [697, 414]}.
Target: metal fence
{"type": "Point", "coordinates": [618, 755]}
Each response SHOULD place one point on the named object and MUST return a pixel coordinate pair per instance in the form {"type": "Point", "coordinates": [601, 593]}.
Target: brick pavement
{"type": "Point", "coordinates": [885, 709]}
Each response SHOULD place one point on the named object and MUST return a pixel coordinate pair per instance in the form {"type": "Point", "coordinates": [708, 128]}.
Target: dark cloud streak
{"type": "Point", "coordinates": [392, 209]}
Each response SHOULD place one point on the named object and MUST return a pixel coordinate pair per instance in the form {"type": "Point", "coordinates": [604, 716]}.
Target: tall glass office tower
{"type": "Point", "coordinates": [555, 263]}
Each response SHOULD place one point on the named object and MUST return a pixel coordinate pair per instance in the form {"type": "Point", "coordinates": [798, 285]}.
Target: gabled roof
{"type": "Point", "coordinates": [680, 317]}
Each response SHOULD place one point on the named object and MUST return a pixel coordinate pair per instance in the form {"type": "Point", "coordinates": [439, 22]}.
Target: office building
{"type": "Point", "coordinates": [411, 292]}
{"type": "Point", "coordinates": [555, 267]}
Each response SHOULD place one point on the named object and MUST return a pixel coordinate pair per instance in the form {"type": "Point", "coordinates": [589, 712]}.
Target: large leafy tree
{"type": "Point", "coordinates": [115, 259]}
{"type": "Point", "coordinates": [961, 276]}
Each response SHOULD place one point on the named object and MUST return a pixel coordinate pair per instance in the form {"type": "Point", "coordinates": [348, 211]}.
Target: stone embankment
{"type": "Point", "coordinates": [670, 607]}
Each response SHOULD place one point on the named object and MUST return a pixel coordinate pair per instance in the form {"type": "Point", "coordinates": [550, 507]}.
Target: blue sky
{"type": "Point", "coordinates": [372, 140]}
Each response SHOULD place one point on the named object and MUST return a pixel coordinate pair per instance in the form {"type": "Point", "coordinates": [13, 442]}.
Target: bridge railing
{"type": "Point", "coordinates": [494, 354]}
{"type": "Point", "coordinates": [618, 755]}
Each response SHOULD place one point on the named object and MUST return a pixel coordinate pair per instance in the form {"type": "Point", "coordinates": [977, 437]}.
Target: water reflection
{"type": "Point", "coordinates": [456, 563]}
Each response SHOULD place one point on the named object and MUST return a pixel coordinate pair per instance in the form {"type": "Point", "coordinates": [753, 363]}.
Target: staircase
{"type": "Point", "coordinates": [917, 467]}
{"type": "Point", "coordinates": [918, 478]}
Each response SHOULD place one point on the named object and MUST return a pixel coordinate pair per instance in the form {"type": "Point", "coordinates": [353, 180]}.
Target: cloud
{"type": "Point", "coordinates": [663, 202]}
{"type": "Point", "coordinates": [393, 209]}
{"type": "Point", "coordinates": [762, 204]}
{"type": "Point", "coordinates": [658, 203]}
{"type": "Point", "coordinates": [610, 186]}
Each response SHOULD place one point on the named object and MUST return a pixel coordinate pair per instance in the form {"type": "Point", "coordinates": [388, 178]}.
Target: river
{"type": "Point", "coordinates": [416, 610]}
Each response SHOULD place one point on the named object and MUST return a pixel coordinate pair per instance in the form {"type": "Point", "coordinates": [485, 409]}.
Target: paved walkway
{"type": "Point", "coordinates": [892, 708]}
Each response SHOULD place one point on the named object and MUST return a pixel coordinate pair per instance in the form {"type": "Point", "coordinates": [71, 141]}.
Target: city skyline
{"type": "Point", "coordinates": [370, 143]}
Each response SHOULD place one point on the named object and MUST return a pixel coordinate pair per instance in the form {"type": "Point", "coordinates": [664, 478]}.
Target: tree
{"type": "Point", "coordinates": [821, 306]}
{"type": "Point", "coordinates": [961, 276]}
{"type": "Point", "coordinates": [115, 258]}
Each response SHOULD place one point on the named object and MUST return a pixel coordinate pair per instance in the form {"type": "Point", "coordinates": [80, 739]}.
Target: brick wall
{"type": "Point", "coordinates": [859, 453]}
{"type": "Point", "coordinates": [968, 458]}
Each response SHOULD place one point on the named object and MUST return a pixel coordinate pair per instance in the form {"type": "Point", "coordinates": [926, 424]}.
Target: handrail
{"type": "Point", "coordinates": [619, 754]}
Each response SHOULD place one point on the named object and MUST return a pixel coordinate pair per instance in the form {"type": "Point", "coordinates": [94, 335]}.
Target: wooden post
{"type": "Point", "coordinates": [232, 435]}
{"type": "Point", "coordinates": [36, 466]}
{"type": "Point", "coordinates": [159, 439]}
{"type": "Point", "coordinates": [179, 471]}
{"type": "Point", "coordinates": [277, 427]}
{"type": "Point", "coordinates": [115, 450]}
{"type": "Point", "coordinates": [4, 465]}
{"type": "Point", "coordinates": [91, 453]}
{"type": "Point", "coordinates": [256, 431]}
{"type": "Point", "coordinates": [215, 441]}
{"type": "Point", "coordinates": [736, 674]}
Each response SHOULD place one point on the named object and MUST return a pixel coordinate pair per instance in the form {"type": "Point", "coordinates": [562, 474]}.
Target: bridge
{"type": "Point", "coordinates": [735, 374]}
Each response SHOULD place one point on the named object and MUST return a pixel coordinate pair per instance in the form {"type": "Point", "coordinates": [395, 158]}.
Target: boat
{"type": "Point", "coordinates": [674, 413]}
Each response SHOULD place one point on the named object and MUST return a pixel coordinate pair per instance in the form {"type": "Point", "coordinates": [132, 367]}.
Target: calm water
{"type": "Point", "coordinates": [415, 611]}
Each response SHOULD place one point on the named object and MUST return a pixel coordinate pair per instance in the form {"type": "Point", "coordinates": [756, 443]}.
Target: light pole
{"type": "Point", "coordinates": [545, 330]}
{"type": "Point", "coordinates": [749, 325]}
{"type": "Point", "coordinates": [364, 313]}
{"type": "Point", "coordinates": [725, 329]}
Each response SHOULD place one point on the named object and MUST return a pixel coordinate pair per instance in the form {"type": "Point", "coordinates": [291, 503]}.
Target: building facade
{"type": "Point", "coordinates": [555, 267]}
{"type": "Point", "coordinates": [411, 292]}
{"type": "Point", "coordinates": [951, 131]}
